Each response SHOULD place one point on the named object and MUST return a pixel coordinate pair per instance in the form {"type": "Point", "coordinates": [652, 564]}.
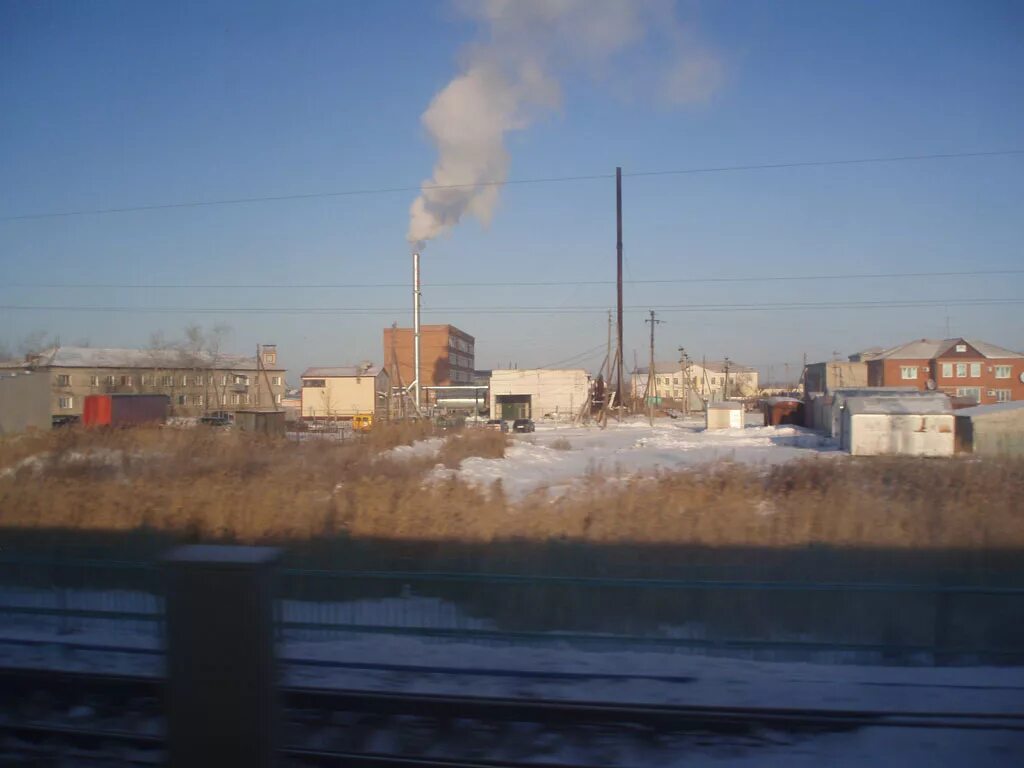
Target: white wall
{"type": "Point", "coordinates": [561, 392]}
{"type": "Point", "coordinates": [24, 402]}
{"type": "Point", "coordinates": [868, 434]}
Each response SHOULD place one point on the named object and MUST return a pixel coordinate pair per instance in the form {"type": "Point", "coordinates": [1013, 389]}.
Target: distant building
{"type": "Point", "coordinates": [539, 393]}
{"type": "Point", "coordinates": [447, 356]}
{"type": "Point", "coordinates": [991, 430]}
{"type": "Point", "coordinates": [707, 382]}
{"type": "Point", "coordinates": [974, 370]}
{"type": "Point", "coordinates": [195, 382]}
{"type": "Point", "coordinates": [826, 378]}
{"type": "Point", "coordinates": [344, 392]}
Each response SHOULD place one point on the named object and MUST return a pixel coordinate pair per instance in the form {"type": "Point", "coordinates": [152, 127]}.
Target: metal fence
{"type": "Point", "coordinates": [93, 604]}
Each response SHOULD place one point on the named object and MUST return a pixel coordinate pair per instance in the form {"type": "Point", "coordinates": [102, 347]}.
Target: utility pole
{"type": "Point", "coordinates": [684, 367]}
{"type": "Point", "coordinates": [652, 378]}
{"type": "Point", "coordinates": [725, 365]}
{"type": "Point", "coordinates": [618, 261]}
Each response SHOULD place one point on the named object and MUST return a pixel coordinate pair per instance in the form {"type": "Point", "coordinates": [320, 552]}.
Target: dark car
{"type": "Point", "coordinates": [522, 425]}
{"type": "Point", "coordinates": [216, 419]}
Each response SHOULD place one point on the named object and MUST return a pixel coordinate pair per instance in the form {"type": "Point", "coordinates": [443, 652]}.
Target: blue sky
{"type": "Point", "coordinates": [109, 105]}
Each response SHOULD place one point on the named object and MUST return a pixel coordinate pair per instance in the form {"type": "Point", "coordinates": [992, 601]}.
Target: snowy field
{"type": "Point", "coordinates": [558, 456]}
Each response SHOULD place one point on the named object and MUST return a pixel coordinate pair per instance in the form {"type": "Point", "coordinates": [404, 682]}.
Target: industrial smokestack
{"type": "Point", "coordinates": [416, 326]}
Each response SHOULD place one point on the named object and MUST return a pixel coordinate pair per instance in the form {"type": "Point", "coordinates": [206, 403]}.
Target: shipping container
{"type": "Point", "coordinates": [124, 410]}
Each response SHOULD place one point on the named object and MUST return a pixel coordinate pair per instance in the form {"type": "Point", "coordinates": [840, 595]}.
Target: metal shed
{"type": "Point", "coordinates": [905, 426]}
{"type": "Point", "coordinates": [991, 430]}
{"type": "Point", "coordinates": [834, 423]}
{"type": "Point", "coordinates": [265, 422]}
{"type": "Point", "coordinates": [24, 402]}
{"type": "Point", "coordinates": [725, 414]}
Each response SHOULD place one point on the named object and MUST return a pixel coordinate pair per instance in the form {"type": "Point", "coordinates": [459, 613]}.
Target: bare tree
{"type": "Point", "coordinates": [35, 342]}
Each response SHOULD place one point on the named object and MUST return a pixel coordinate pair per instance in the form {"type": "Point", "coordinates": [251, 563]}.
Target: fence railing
{"type": "Point", "coordinates": [120, 603]}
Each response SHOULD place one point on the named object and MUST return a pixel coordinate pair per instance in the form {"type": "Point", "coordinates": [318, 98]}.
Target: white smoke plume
{"type": "Point", "coordinates": [510, 77]}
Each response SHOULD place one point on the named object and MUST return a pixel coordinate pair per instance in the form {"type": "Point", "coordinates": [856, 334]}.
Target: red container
{"type": "Point", "coordinates": [124, 410]}
{"type": "Point", "coordinates": [96, 410]}
{"type": "Point", "coordinates": [783, 410]}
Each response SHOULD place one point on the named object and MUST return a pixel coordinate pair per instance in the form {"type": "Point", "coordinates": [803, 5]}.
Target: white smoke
{"type": "Point", "coordinates": [510, 77]}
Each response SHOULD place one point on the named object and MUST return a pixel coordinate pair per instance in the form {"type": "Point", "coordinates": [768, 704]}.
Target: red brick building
{"type": "Point", "coordinates": [957, 367]}
{"type": "Point", "coordinates": [447, 356]}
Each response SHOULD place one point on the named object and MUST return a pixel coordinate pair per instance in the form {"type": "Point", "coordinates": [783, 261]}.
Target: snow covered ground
{"type": "Point", "coordinates": [561, 670]}
{"type": "Point", "coordinates": [557, 456]}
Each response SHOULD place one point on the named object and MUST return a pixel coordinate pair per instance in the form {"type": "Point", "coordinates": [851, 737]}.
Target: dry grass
{"type": "Point", "coordinates": [475, 442]}
{"type": "Point", "coordinates": [208, 484]}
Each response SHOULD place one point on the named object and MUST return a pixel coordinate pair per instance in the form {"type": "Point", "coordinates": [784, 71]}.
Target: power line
{"type": "Point", "coordinates": [509, 182]}
{"type": "Point", "coordinates": [517, 309]}
{"type": "Point", "coordinates": [579, 356]}
{"type": "Point", "coordinates": [522, 284]}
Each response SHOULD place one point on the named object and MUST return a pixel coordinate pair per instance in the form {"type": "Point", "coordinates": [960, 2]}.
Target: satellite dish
{"type": "Point", "coordinates": [1021, 377]}
{"type": "Point", "coordinates": [931, 383]}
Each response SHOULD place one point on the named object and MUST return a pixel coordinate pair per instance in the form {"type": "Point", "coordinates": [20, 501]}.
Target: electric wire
{"type": "Point", "coordinates": [529, 284]}
{"type": "Point", "coordinates": [509, 182]}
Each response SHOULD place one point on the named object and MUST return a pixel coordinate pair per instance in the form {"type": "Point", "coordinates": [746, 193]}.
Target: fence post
{"type": "Point", "coordinates": [222, 708]}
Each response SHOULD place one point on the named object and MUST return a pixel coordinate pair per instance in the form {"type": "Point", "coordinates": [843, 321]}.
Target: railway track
{"type": "Point", "coordinates": [335, 727]}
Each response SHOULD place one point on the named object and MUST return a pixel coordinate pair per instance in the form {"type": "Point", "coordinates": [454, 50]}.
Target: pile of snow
{"type": "Point", "coordinates": [421, 449]}
{"type": "Point", "coordinates": [629, 449]}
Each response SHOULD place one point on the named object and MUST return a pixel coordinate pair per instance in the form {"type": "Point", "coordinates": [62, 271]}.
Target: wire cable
{"type": "Point", "coordinates": [537, 310]}
{"type": "Point", "coordinates": [509, 182]}
{"type": "Point", "coordinates": [524, 284]}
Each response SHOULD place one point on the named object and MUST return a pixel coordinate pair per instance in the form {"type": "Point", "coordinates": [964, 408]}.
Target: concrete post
{"type": "Point", "coordinates": [222, 708]}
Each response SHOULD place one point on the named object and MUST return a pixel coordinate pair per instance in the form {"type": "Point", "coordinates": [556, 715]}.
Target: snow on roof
{"type": "Point", "coordinates": [930, 405]}
{"type": "Point", "coordinates": [986, 410]}
{"type": "Point", "coordinates": [342, 371]}
{"type": "Point", "coordinates": [117, 357]}
{"type": "Point", "coordinates": [926, 349]}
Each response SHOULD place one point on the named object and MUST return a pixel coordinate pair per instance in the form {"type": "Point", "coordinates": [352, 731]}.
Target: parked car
{"type": "Point", "coordinates": [522, 425]}
{"type": "Point", "coordinates": [498, 425]}
{"type": "Point", "coordinates": [216, 419]}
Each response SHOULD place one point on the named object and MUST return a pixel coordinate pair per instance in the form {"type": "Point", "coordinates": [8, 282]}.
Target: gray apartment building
{"type": "Point", "coordinates": [196, 383]}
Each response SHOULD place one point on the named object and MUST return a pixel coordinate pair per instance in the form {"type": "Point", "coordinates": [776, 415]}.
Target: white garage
{"type": "Point", "coordinates": [905, 426]}
{"type": "Point", "coordinates": [538, 393]}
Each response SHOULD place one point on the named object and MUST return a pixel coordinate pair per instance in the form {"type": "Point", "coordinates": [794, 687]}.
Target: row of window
{"type": "Point", "coordinates": [962, 371]}
{"type": "Point", "coordinates": [167, 380]}
{"type": "Point", "coordinates": [454, 342]}
{"type": "Point", "coordinates": [1001, 395]}
{"type": "Point", "coordinates": [460, 361]}
{"type": "Point", "coordinates": [67, 402]}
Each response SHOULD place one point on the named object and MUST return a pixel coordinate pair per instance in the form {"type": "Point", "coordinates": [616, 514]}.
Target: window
{"type": "Point", "coordinates": [270, 358]}
{"type": "Point", "coordinates": [168, 381]}
{"type": "Point", "coordinates": [1003, 371]}
{"type": "Point", "coordinates": [144, 380]}
{"type": "Point", "coordinates": [94, 381]}
{"type": "Point", "coordinates": [961, 370]}
{"type": "Point", "coordinates": [908, 371]}
{"type": "Point", "coordinates": [63, 380]}
{"type": "Point", "coordinates": [1003, 396]}
{"type": "Point", "coordinates": [961, 347]}
{"type": "Point", "coordinates": [947, 370]}
{"type": "Point", "coordinates": [276, 381]}
{"type": "Point", "coordinates": [975, 370]}
{"type": "Point", "coordinates": [126, 381]}
{"type": "Point", "coordinates": [181, 400]}
{"type": "Point", "coordinates": [111, 379]}
{"type": "Point", "coordinates": [314, 382]}
{"type": "Point", "coordinates": [969, 392]}
{"type": "Point", "coordinates": [241, 380]}
{"type": "Point", "coordinates": [197, 399]}
{"type": "Point", "coordinates": [65, 403]}
{"type": "Point", "coordinates": [277, 398]}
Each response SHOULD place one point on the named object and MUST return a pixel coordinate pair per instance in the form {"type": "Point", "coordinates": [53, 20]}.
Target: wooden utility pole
{"type": "Point", "coordinates": [725, 365]}
{"type": "Point", "coordinates": [652, 378]}
{"type": "Point", "coordinates": [684, 367]}
{"type": "Point", "coordinates": [618, 261]}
